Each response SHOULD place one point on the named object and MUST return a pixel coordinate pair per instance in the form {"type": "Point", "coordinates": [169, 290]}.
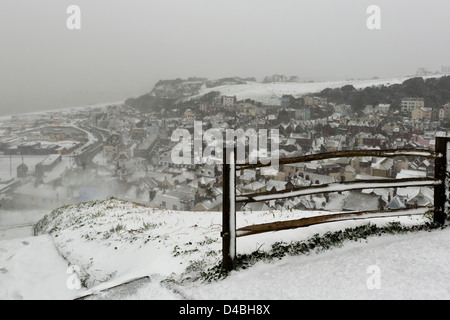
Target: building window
{"type": "Point", "coordinates": [163, 204]}
{"type": "Point", "coordinates": [174, 207]}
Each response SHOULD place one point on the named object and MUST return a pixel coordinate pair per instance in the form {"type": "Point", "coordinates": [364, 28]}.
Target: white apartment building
{"type": "Point", "coordinates": [409, 104]}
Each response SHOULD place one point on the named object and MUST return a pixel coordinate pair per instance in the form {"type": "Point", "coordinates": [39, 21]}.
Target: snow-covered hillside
{"type": "Point", "coordinates": [110, 242]}
{"type": "Point", "coordinates": [270, 93]}
{"type": "Point", "coordinates": [167, 92]}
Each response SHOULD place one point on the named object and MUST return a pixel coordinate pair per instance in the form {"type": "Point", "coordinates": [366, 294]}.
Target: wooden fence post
{"type": "Point", "coordinates": [229, 209]}
{"type": "Point", "coordinates": [440, 172]}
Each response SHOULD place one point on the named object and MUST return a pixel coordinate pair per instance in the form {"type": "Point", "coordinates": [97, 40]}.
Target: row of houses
{"type": "Point", "coordinates": [368, 199]}
{"type": "Point", "coordinates": [417, 109]}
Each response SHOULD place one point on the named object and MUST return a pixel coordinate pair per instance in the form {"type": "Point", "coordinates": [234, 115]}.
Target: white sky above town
{"type": "Point", "coordinates": [125, 46]}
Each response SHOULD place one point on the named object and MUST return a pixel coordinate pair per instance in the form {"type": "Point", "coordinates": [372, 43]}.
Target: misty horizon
{"type": "Point", "coordinates": [124, 48]}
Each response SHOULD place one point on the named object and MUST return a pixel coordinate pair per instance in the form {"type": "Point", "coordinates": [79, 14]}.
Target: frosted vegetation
{"type": "Point", "coordinates": [113, 240]}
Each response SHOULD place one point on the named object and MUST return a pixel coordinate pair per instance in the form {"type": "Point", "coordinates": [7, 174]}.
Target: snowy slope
{"type": "Point", "coordinates": [113, 242]}
{"type": "Point", "coordinates": [270, 93]}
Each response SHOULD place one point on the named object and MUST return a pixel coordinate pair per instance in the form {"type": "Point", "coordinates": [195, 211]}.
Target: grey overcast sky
{"type": "Point", "coordinates": [125, 46]}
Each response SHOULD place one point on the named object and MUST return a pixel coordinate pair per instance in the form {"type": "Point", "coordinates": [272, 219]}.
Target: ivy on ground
{"type": "Point", "coordinates": [316, 243]}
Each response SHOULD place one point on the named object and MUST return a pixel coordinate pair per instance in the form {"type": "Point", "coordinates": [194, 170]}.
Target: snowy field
{"type": "Point", "coordinates": [112, 242]}
{"type": "Point", "coordinates": [270, 93]}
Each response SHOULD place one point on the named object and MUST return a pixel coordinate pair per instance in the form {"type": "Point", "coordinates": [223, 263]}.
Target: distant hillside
{"type": "Point", "coordinates": [435, 91]}
{"type": "Point", "coordinates": [228, 81]}
{"type": "Point", "coordinates": [172, 93]}
{"type": "Point", "coordinates": [169, 93]}
{"type": "Point", "coordinates": [178, 88]}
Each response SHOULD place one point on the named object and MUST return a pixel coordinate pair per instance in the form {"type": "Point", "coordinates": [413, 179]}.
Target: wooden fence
{"type": "Point", "coordinates": [230, 233]}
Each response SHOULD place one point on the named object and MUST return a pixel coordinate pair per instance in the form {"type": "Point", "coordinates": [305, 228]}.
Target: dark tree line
{"type": "Point", "coordinates": [435, 91]}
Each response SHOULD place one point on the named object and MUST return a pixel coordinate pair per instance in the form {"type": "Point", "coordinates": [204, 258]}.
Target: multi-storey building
{"type": "Point", "coordinates": [421, 113]}
{"type": "Point", "coordinates": [409, 104]}
{"type": "Point", "coordinates": [446, 112]}
{"type": "Point", "coordinates": [225, 101]}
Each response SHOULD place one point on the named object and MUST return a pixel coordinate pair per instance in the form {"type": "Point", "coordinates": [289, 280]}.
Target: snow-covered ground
{"type": "Point", "coordinates": [111, 242]}
{"type": "Point", "coordinates": [413, 266]}
{"type": "Point", "coordinates": [270, 93]}
{"type": "Point", "coordinates": [31, 268]}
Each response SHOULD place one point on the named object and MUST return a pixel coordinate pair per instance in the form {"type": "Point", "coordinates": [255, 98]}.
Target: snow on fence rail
{"type": "Point", "coordinates": [309, 221]}
{"type": "Point", "coordinates": [229, 232]}
{"type": "Point", "coordinates": [336, 187]}
{"type": "Point", "coordinates": [350, 153]}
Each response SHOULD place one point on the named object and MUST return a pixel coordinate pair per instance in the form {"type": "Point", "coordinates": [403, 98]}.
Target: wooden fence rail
{"type": "Point", "coordinates": [309, 221]}
{"type": "Point", "coordinates": [336, 187]}
{"type": "Point", "coordinates": [229, 232]}
{"type": "Point", "coordinates": [345, 154]}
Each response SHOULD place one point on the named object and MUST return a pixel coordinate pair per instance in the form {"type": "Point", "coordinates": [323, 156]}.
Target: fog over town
{"type": "Point", "coordinates": [123, 48]}
{"type": "Point", "coordinates": [133, 101]}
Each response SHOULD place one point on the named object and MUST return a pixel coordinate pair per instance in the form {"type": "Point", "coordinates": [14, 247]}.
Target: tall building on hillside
{"type": "Point", "coordinates": [446, 112]}
{"type": "Point", "coordinates": [225, 101]}
{"type": "Point", "coordinates": [409, 104]}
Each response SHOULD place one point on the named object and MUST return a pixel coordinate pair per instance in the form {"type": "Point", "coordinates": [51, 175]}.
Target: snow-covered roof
{"type": "Point", "coordinates": [383, 164]}
{"type": "Point", "coordinates": [410, 174]}
{"type": "Point", "coordinates": [253, 186]}
{"type": "Point", "coordinates": [278, 185]}
{"type": "Point", "coordinates": [211, 204]}
{"type": "Point", "coordinates": [358, 201]}
{"type": "Point", "coordinates": [50, 159]}
{"type": "Point", "coordinates": [247, 175]}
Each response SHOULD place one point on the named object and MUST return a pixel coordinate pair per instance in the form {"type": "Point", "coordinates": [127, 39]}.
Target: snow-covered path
{"type": "Point", "coordinates": [31, 268]}
{"type": "Point", "coordinates": [412, 266]}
